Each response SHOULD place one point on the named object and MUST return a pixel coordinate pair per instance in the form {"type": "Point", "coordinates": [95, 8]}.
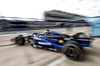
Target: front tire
{"type": "Point", "coordinates": [20, 40]}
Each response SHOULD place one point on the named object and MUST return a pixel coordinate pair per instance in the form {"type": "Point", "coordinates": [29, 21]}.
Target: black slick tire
{"type": "Point", "coordinates": [20, 40]}
{"type": "Point", "coordinates": [72, 51]}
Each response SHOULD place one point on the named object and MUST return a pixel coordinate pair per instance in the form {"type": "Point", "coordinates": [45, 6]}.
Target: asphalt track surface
{"type": "Point", "coordinates": [13, 55]}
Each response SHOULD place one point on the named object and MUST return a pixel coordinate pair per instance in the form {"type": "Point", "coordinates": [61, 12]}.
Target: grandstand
{"type": "Point", "coordinates": [60, 16]}
{"type": "Point", "coordinates": [55, 15]}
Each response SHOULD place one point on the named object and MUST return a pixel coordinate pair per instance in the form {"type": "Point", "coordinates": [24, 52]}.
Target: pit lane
{"type": "Point", "coordinates": [14, 55]}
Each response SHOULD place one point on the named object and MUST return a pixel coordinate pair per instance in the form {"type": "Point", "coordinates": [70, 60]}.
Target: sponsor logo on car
{"type": "Point", "coordinates": [67, 38]}
{"type": "Point", "coordinates": [44, 43]}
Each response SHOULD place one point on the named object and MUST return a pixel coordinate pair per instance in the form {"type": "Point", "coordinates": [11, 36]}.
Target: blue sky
{"type": "Point", "coordinates": [36, 8]}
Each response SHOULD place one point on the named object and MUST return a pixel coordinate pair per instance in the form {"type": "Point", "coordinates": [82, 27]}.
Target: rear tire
{"type": "Point", "coordinates": [20, 40]}
{"type": "Point", "coordinates": [72, 51]}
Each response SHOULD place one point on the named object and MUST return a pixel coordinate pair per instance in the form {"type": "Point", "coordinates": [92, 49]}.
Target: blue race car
{"type": "Point", "coordinates": [71, 46]}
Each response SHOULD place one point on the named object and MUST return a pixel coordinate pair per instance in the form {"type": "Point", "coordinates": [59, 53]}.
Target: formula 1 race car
{"type": "Point", "coordinates": [71, 46]}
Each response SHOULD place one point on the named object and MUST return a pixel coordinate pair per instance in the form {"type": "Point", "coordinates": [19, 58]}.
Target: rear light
{"type": "Point", "coordinates": [61, 41]}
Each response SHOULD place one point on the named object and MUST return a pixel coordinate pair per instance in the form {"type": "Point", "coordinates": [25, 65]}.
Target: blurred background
{"type": "Point", "coordinates": [24, 14]}
{"type": "Point", "coordinates": [28, 16]}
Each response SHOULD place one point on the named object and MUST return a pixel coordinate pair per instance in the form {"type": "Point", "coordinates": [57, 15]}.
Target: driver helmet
{"type": "Point", "coordinates": [47, 29]}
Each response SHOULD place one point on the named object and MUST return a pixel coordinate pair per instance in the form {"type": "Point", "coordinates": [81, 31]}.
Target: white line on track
{"type": "Point", "coordinates": [57, 61]}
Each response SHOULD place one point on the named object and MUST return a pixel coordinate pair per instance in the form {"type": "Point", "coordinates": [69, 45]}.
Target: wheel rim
{"type": "Point", "coordinates": [19, 41]}
{"type": "Point", "coordinates": [71, 53]}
